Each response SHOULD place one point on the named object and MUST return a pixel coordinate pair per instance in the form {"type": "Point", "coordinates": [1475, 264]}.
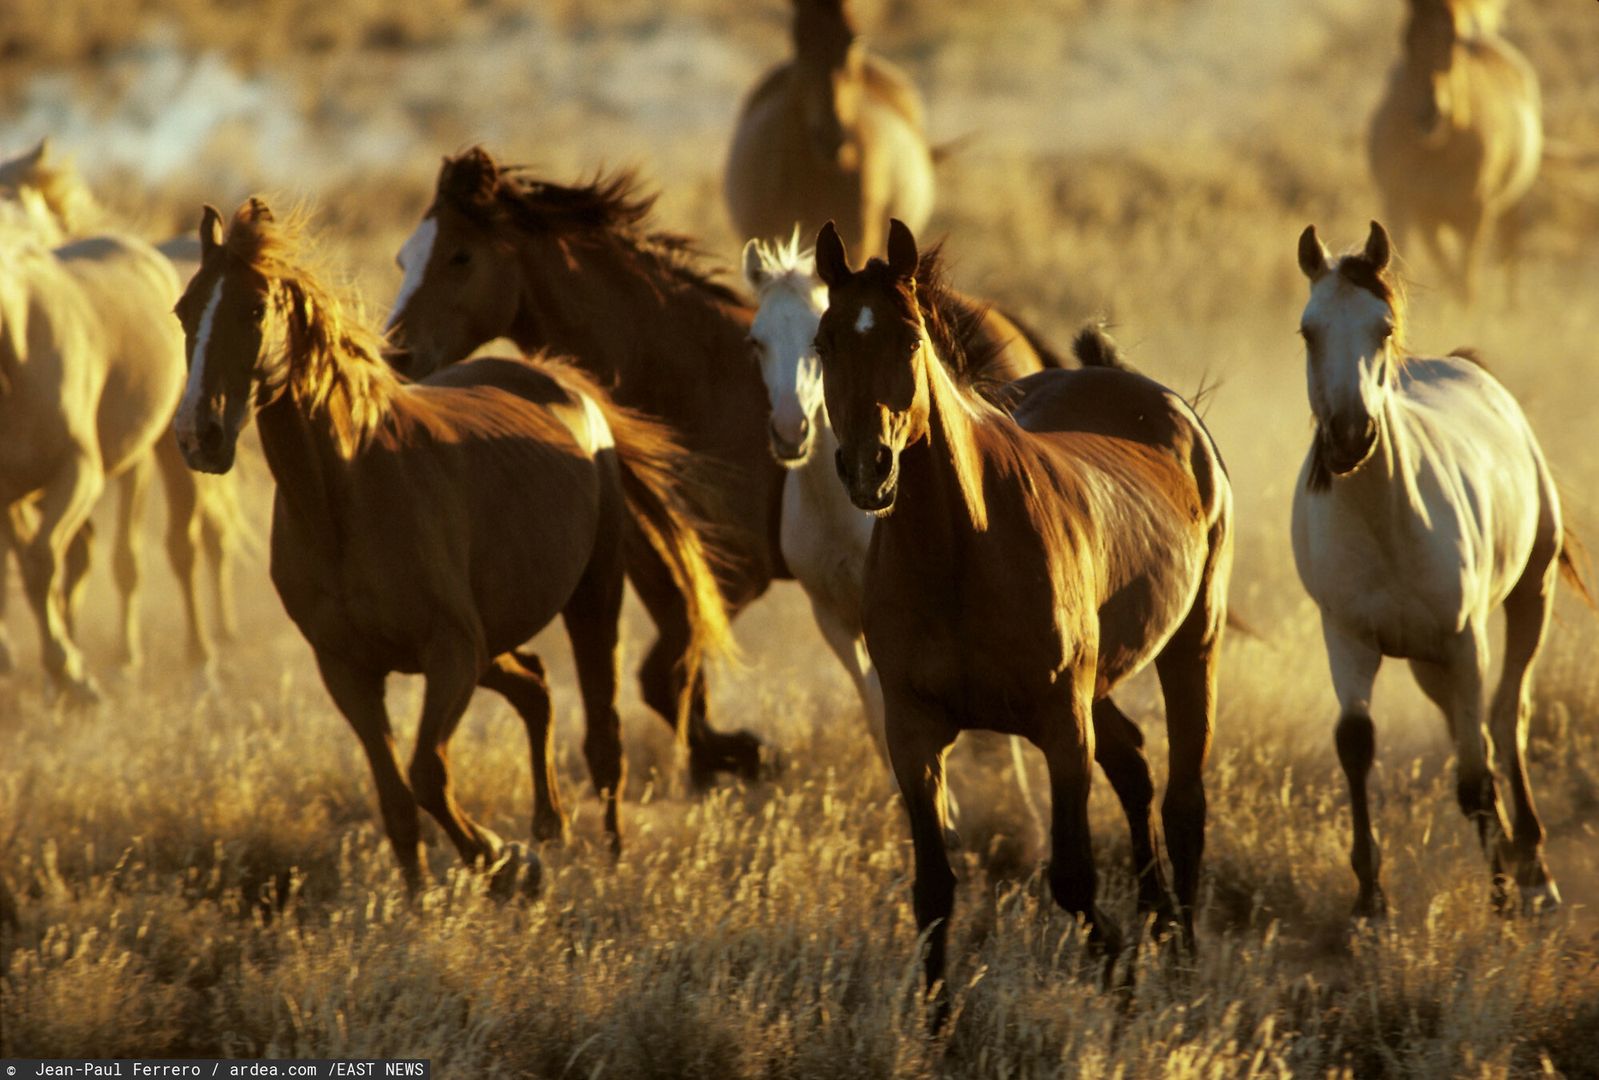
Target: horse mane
{"type": "Point", "coordinates": [1380, 281]}
{"type": "Point", "coordinates": [60, 188]}
{"type": "Point", "coordinates": [331, 356]}
{"type": "Point", "coordinates": [613, 204]}
{"type": "Point", "coordinates": [786, 265]}
{"type": "Point", "coordinates": [953, 323]}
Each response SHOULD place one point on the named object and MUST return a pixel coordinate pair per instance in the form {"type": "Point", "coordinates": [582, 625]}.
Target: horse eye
{"type": "Point", "coordinates": [1385, 331]}
{"type": "Point", "coordinates": [461, 257]}
{"type": "Point", "coordinates": [258, 312]}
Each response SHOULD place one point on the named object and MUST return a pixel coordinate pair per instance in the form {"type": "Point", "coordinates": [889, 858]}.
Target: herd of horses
{"type": "Point", "coordinates": [992, 535]}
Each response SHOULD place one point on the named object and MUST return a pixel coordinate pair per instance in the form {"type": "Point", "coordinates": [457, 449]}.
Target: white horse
{"type": "Point", "coordinates": [824, 537]}
{"type": "Point", "coordinates": [1424, 503]}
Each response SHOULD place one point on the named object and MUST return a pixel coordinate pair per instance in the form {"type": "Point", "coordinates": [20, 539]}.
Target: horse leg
{"type": "Point", "coordinates": [358, 693]}
{"type": "Point", "coordinates": [849, 645]}
{"type": "Point", "coordinates": [592, 617]}
{"type": "Point", "coordinates": [1354, 672]}
{"type": "Point", "coordinates": [1119, 749]}
{"type": "Point", "coordinates": [1068, 745]}
{"type": "Point", "coordinates": [1527, 611]}
{"type": "Point", "coordinates": [1508, 231]}
{"type": "Point", "coordinates": [1472, 231]}
{"type": "Point", "coordinates": [452, 672]}
{"type": "Point", "coordinates": [75, 573]}
{"type": "Point", "coordinates": [8, 544]}
{"type": "Point", "coordinates": [127, 557]}
{"type": "Point", "coordinates": [1456, 684]}
{"type": "Point", "coordinates": [183, 524]}
{"type": "Point", "coordinates": [918, 737]}
{"type": "Point", "coordinates": [61, 513]}
{"type": "Point", "coordinates": [519, 677]}
{"type": "Point", "coordinates": [661, 678]}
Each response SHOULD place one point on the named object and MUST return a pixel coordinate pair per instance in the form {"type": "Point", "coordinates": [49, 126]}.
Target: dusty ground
{"type": "Point", "coordinates": [207, 876]}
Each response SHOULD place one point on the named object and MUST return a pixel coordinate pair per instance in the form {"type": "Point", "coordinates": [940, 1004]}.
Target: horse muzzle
{"type": "Point", "coordinates": [875, 487]}
{"type": "Point", "coordinates": [792, 454]}
{"type": "Point", "coordinates": [206, 446]}
{"type": "Point", "coordinates": [1350, 448]}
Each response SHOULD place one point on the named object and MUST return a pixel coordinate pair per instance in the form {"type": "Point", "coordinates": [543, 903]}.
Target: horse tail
{"type": "Point", "coordinates": [1093, 347]}
{"type": "Point", "coordinates": [670, 508]}
{"type": "Point", "coordinates": [1035, 341]}
{"type": "Point", "coordinates": [1576, 567]}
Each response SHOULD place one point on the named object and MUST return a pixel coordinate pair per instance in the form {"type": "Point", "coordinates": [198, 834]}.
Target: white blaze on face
{"type": "Point", "coordinates": [414, 256]}
{"type": "Point", "coordinates": [194, 390]}
{"type": "Point", "coordinates": [1346, 322]}
{"type": "Point", "coordinates": [865, 320]}
{"type": "Point", "coordinates": [785, 328]}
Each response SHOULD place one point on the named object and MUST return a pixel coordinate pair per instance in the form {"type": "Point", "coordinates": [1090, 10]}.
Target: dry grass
{"type": "Point", "coordinates": [209, 878]}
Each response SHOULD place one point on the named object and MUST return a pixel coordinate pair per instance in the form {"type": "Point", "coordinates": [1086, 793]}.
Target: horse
{"type": "Point", "coordinates": [203, 512]}
{"type": "Point", "coordinates": [824, 537]}
{"type": "Point", "coordinates": [1424, 504]}
{"type": "Point", "coordinates": [1025, 562]}
{"type": "Point", "coordinates": [90, 379]}
{"type": "Point", "coordinates": [835, 132]}
{"type": "Point", "coordinates": [580, 271]}
{"type": "Point", "coordinates": [1457, 138]}
{"type": "Point", "coordinates": [435, 527]}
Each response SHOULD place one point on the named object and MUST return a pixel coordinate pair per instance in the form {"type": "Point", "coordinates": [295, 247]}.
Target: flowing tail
{"type": "Point", "coordinates": [1093, 347]}
{"type": "Point", "coordinates": [1576, 567]}
{"type": "Point", "coordinates": [670, 508]}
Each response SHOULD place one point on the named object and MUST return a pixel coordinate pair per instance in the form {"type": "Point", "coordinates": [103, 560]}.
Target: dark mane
{"type": "Point", "coordinates": [1362, 273]}
{"type": "Point", "coordinates": [954, 325]}
{"type": "Point", "coordinates": [613, 204]}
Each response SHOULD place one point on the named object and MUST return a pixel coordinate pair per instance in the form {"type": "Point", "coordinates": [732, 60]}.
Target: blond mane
{"type": "Point", "coordinates": [331, 359]}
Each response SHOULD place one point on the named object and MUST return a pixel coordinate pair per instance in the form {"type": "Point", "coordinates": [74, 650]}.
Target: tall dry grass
{"type": "Point", "coordinates": [207, 877]}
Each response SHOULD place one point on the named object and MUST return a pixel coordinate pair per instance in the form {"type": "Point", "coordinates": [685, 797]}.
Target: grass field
{"type": "Point", "coordinates": [199, 877]}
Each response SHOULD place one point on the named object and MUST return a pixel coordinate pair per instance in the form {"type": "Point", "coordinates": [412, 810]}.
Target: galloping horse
{"type": "Point", "coordinates": [1457, 139]}
{"type": "Point", "coordinates": [577, 270]}
{"type": "Point", "coordinates": [1023, 565]}
{"type": "Point", "coordinates": [824, 537]}
{"type": "Point", "coordinates": [203, 512]}
{"type": "Point", "coordinates": [1424, 504]}
{"type": "Point", "coordinates": [833, 133]}
{"type": "Point", "coordinates": [435, 527]}
{"type": "Point", "coordinates": [89, 375]}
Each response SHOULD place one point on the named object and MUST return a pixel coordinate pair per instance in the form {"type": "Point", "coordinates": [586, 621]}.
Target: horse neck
{"type": "Point", "coordinates": [648, 324]}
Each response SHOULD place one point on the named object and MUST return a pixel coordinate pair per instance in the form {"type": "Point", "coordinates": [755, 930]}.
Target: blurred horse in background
{"type": "Point", "coordinates": [579, 271]}
{"type": "Point", "coordinates": [1024, 564]}
{"type": "Point", "coordinates": [1457, 138]}
{"type": "Point", "coordinates": [835, 133]}
{"type": "Point", "coordinates": [90, 372]}
{"type": "Point", "coordinates": [435, 527]}
{"type": "Point", "coordinates": [203, 512]}
{"type": "Point", "coordinates": [1423, 505]}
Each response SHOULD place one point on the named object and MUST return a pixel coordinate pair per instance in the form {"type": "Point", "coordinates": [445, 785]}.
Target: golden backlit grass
{"type": "Point", "coordinates": [208, 877]}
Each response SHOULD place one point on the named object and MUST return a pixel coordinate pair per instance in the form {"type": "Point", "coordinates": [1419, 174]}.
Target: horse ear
{"type": "Point", "coordinates": [35, 157]}
{"type": "Point", "coordinates": [754, 274]}
{"type": "Point", "coordinates": [902, 257]}
{"type": "Point", "coordinates": [210, 230]}
{"type": "Point", "coordinates": [257, 210]}
{"type": "Point", "coordinates": [470, 177]}
{"type": "Point", "coordinates": [831, 265]}
{"type": "Point", "coordinates": [1378, 249]}
{"type": "Point", "coordinates": [1313, 257]}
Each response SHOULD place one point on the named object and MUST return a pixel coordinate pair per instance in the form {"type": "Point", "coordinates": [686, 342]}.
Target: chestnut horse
{"type": "Point", "coordinates": [1423, 505]}
{"type": "Point", "coordinates": [833, 133]}
{"type": "Point", "coordinates": [1024, 564]}
{"type": "Point", "coordinates": [435, 527]}
{"type": "Point", "coordinates": [578, 271]}
{"type": "Point", "coordinates": [1458, 137]}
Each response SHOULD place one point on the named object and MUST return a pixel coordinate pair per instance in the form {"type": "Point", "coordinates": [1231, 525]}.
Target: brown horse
{"type": "Point", "coordinates": [203, 512]}
{"type": "Point", "coordinates": [435, 527]}
{"type": "Point", "coordinates": [1458, 137]}
{"type": "Point", "coordinates": [577, 270]}
{"type": "Point", "coordinates": [1023, 565]}
{"type": "Point", "coordinates": [833, 133]}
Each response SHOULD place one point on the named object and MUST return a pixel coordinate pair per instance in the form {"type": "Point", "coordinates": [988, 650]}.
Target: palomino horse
{"type": "Point", "coordinates": [576, 270]}
{"type": "Point", "coordinates": [824, 537]}
{"type": "Point", "coordinates": [91, 373]}
{"type": "Point", "coordinates": [203, 512]}
{"type": "Point", "coordinates": [436, 527]}
{"type": "Point", "coordinates": [833, 133]}
{"type": "Point", "coordinates": [1023, 566]}
{"type": "Point", "coordinates": [1457, 139]}
{"type": "Point", "coordinates": [1423, 505]}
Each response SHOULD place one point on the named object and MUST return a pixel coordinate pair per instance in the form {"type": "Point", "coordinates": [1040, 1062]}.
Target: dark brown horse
{"type": "Point", "coordinates": [1023, 565]}
{"type": "Point", "coordinates": [578, 271]}
{"type": "Point", "coordinates": [436, 527]}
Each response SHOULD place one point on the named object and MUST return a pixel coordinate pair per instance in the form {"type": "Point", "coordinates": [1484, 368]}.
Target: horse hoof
{"type": "Point", "coordinates": [739, 752]}
{"type": "Point", "coordinates": [1370, 908]}
{"type": "Point", "coordinates": [1539, 900]}
{"type": "Point", "coordinates": [517, 872]}
{"type": "Point", "coordinates": [550, 830]}
{"type": "Point", "coordinates": [79, 693]}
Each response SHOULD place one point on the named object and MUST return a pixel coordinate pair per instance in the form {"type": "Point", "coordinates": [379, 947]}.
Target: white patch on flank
{"type": "Point", "coordinates": [865, 320]}
{"type": "Point", "coordinates": [414, 256]}
{"type": "Point", "coordinates": [195, 387]}
{"type": "Point", "coordinates": [600, 437]}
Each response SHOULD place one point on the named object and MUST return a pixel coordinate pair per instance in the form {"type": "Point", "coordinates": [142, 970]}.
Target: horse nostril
{"type": "Point", "coordinates": [804, 428]}
{"type": "Point", "coordinates": [209, 435]}
{"type": "Point", "coordinates": [883, 461]}
{"type": "Point", "coordinates": [838, 463]}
